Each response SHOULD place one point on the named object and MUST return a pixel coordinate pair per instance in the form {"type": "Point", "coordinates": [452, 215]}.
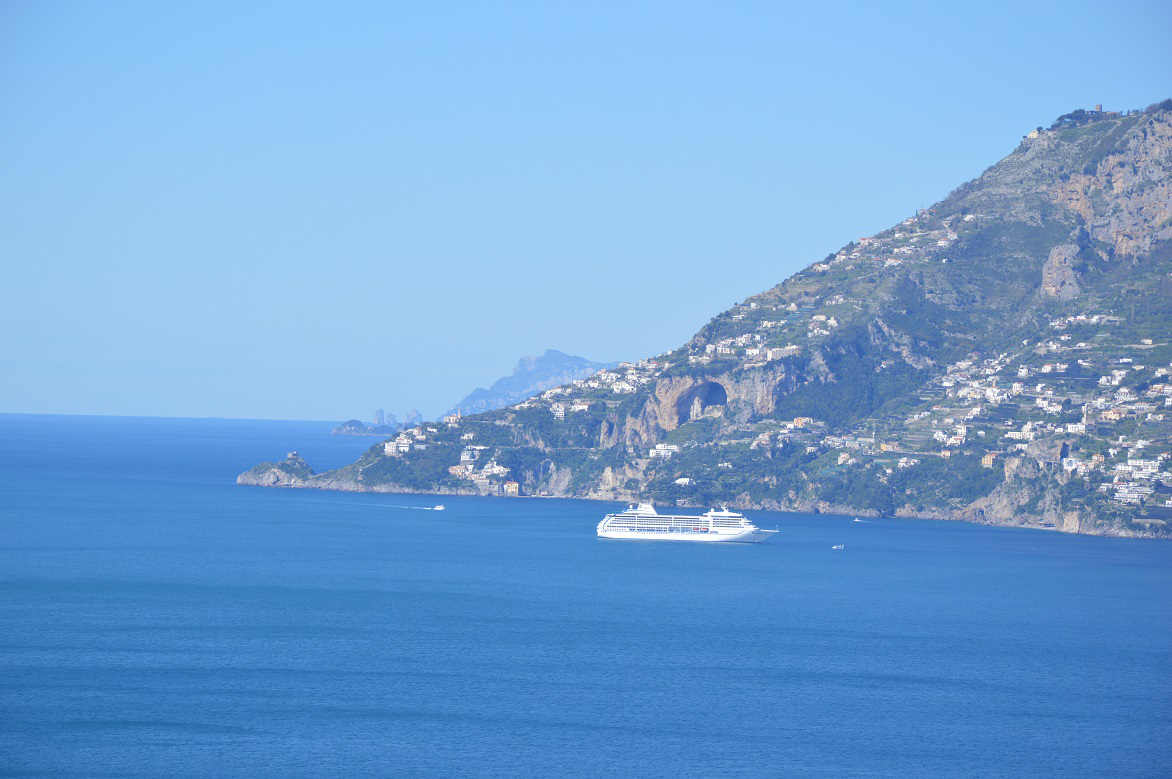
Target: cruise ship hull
{"type": "Point", "coordinates": [748, 537]}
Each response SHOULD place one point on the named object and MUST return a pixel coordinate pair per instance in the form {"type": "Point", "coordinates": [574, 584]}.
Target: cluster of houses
{"type": "Point", "coordinates": [1136, 481]}
{"type": "Point", "coordinates": [663, 451]}
{"type": "Point", "coordinates": [489, 477]}
{"type": "Point", "coordinates": [1125, 390]}
{"type": "Point", "coordinates": [820, 324]}
{"type": "Point", "coordinates": [1078, 320]}
{"type": "Point", "coordinates": [576, 396]}
{"type": "Point", "coordinates": [408, 440]}
{"type": "Point", "coordinates": [559, 409]}
{"type": "Point", "coordinates": [918, 237]}
{"type": "Point", "coordinates": [749, 346]}
{"type": "Point", "coordinates": [761, 346]}
{"type": "Point", "coordinates": [1033, 403]}
{"type": "Point", "coordinates": [858, 443]}
{"type": "Point", "coordinates": [785, 431]}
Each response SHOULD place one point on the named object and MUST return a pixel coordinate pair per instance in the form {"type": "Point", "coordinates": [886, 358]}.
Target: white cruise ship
{"type": "Point", "coordinates": [644, 522]}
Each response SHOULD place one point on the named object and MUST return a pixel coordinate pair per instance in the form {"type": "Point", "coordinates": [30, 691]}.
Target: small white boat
{"type": "Point", "coordinates": [438, 507]}
{"type": "Point", "coordinates": [856, 519]}
{"type": "Point", "coordinates": [838, 547]}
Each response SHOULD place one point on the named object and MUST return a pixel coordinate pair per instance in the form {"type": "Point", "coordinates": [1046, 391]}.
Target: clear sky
{"type": "Point", "coordinates": [310, 211]}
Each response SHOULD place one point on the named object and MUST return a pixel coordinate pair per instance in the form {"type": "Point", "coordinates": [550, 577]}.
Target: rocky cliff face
{"type": "Point", "coordinates": [1059, 279]}
{"type": "Point", "coordinates": [1002, 357]}
{"type": "Point", "coordinates": [1122, 193]}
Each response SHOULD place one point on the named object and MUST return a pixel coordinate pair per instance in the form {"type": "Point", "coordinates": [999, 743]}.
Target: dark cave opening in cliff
{"type": "Point", "coordinates": [693, 403]}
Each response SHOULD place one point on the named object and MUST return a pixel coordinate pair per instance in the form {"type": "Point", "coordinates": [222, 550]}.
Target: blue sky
{"type": "Point", "coordinates": [310, 211]}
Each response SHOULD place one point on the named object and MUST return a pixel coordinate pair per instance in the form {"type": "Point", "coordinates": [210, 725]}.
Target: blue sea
{"type": "Point", "coordinates": [158, 620]}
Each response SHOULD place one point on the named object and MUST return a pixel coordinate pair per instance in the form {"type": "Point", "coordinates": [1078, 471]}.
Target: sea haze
{"type": "Point", "coordinates": [157, 619]}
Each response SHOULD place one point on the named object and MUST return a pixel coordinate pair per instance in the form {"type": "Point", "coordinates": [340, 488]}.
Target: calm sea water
{"type": "Point", "coordinates": [156, 619]}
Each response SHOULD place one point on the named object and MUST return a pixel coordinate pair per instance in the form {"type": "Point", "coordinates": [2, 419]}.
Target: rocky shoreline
{"type": "Point", "coordinates": [280, 475]}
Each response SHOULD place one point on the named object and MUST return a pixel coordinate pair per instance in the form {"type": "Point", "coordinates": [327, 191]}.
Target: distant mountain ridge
{"type": "Point", "coordinates": [1003, 357]}
{"type": "Point", "coordinates": [533, 374]}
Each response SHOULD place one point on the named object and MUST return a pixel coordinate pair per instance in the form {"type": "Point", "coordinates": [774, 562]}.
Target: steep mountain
{"type": "Point", "coordinates": [1001, 357]}
{"type": "Point", "coordinates": [531, 376]}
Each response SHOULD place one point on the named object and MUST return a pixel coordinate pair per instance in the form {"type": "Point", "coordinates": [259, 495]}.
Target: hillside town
{"type": "Point", "coordinates": [1098, 409]}
{"type": "Point", "coordinates": [1001, 356]}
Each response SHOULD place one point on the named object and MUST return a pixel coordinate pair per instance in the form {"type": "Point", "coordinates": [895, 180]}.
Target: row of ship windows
{"type": "Point", "coordinates": [660, 523]}
{"type": "Point", "coordinates": [661, 518]}
{"type": "Point", "coordinates": [647, 529]}
{"type": "Point", "coordinates": [665, 526]}
{"type": "Point", "coordinates": [629, 523]}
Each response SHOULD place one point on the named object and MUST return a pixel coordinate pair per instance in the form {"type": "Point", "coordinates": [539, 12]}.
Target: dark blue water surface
{"type": "Point", "coordinates": [156, 619]}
